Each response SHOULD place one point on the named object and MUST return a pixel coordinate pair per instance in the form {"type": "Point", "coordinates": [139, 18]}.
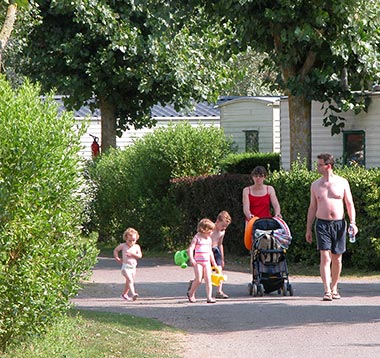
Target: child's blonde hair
{"type": "Point", "coordinates": [130, 231]}
{"type": "Point", "coordinates": [225, 217]}
{"type": "Point", "coordinates": [205, 225]}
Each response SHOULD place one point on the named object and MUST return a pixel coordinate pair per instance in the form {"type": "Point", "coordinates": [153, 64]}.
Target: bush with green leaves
{"type": "Point", "coordinates": [132, 184]}
{"type": "Point", "coordinates": [42, 254]}
{"type": "Point", "coordinates": [206, 196]}
{"type": "Point", "coordinates": [243, 163]}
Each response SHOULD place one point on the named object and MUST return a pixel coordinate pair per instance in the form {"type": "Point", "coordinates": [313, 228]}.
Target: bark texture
{"type": "Point", "coordinates": [108, 125]}
{"type": "Point", "coordinates": [7, 29]}
{"type": "Point", "coordinates": [300, 129]}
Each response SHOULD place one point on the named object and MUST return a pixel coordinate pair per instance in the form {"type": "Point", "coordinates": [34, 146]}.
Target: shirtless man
{"type": "Point", "coordinates": [328, 195]}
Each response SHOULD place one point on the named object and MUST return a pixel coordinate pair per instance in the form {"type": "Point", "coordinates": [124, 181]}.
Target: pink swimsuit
{"type": "Point", "coordinates": [202, 250]}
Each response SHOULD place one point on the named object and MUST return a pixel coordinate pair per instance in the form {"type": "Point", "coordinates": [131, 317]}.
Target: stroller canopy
{"type": "Point", "coordinates": [282, 236]}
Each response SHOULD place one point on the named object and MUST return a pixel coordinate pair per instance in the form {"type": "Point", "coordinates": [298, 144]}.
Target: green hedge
{"type": "Point", "coordinates": [243, 163]}
{"type": "Point", "coordinates": [206, 196]}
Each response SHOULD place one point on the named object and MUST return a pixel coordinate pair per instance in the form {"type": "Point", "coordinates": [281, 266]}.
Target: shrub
{"type": "Point", "coordinates": [206, 196]}
{"type": "Point", "coordinates": [243, 163]}
{"type": "Point", "coordinates": [365, 187]}
{"type": "Point", "coordinates": [42, 257]}
{"type": "Point", "coordinates": [132, 185]}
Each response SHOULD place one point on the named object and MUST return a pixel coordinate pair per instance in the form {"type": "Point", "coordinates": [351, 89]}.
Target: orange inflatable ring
{"type": "Point", "coordinates": [248, 232]}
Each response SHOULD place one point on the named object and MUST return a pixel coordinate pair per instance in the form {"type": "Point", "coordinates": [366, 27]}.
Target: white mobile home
{"type": "Point", "coordinates": [253, 123]}
{"type": "Point", "coordinates": [359, 141]}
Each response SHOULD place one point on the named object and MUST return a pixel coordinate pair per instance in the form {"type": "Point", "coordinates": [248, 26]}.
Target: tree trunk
{"type": "Point", "coordinates": [300, 129]}
{"type": "Point", "coordinates": [7, 28]}
{"type": "Point", "coordinates": [108, 125]}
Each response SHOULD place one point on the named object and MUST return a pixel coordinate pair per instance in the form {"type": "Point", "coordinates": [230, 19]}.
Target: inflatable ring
{"type": "Point", "coordinates": [248, 232]}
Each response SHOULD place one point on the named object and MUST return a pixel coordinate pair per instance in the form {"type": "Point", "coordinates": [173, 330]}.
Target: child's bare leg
{"type": "Point", "coordinates": [126, 289]}
{"type": "Point", "coordinates": [219, 288]}
{"type": "Point", "coordinates": [130, 283]}
{"type": "Point", "coordinates": [124, 272]}
{"type": "Point", "coordinates": [196, 282]}
{"type": "Point", "coordinates": [207, 277]}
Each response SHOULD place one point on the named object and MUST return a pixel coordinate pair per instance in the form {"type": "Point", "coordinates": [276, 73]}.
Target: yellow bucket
{"type": "Point", "coordinates": [216, 277]}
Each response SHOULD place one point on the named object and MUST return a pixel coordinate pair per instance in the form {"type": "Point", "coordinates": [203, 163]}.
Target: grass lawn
{"type": "Point", "coordinates": [90, 334]}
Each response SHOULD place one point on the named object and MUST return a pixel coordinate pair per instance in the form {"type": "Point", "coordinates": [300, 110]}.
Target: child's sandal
{"type": "Point", "coordinates": [327, 296]}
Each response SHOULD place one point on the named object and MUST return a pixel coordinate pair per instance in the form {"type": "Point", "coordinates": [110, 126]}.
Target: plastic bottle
{"type": "Point", "coordinates": [351, 234]}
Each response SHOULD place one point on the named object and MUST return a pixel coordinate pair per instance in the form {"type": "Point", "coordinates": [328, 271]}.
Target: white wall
{"type": "Point", "coordinates": [252, 113]}
{"type": "Point", "coordinates": [321, 138]}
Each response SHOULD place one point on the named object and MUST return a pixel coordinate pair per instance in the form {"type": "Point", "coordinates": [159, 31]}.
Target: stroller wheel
{"type": "Point", "coordinates": [290, 288]}
{"type": "Point", "coordinates": [250, 289]}
{"type": "Point", "coordinates": [254, 290]}
{"type": "Point", "coordinates": [260, 290]}
{"type": "Point", "coordinates": [284, 290]}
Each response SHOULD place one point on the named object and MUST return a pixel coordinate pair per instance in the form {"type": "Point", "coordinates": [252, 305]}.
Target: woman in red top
{"type": "Point", "coordinates": [259, 197]}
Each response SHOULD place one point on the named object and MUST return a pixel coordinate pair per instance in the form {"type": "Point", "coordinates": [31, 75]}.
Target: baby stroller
{"type": "Point", "coordinates": [270, 239]}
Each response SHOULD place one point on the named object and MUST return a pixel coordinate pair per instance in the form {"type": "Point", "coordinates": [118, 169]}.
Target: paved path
{"type": "Point", "coordinates": [245, 326]}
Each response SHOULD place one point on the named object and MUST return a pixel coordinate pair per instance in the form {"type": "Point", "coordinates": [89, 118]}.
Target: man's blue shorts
{"type": "Point", "coordinates": [331, 235]}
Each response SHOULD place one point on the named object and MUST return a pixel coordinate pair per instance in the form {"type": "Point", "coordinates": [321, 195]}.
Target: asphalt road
{"type": "Point", "coordinates": [244, 326]}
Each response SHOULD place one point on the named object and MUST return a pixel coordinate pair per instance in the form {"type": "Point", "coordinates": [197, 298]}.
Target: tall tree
{"type": "Point", "coordinates": [124, 56]}
{"type": "Point", "coordinates": [323, 50]}
{"type": "Point", "coordinates": [8, 10]}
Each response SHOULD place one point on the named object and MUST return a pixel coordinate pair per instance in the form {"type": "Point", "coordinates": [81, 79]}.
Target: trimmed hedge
{"type": "Point", "coordinates": [243, 163]}
{"type": "Point", "coordinates": [205, 196]}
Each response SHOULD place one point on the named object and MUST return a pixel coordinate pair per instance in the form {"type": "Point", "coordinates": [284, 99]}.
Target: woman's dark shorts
{"type": "Point", "coordinates": [331, 235]}
{"type": "Point", "coordinates": [217, 255]}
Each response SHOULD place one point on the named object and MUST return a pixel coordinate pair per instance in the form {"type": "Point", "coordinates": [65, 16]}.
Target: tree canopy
{"type": "Point", "coordinates": [125, 56]}
{"type": "Point", "coordinates": [323, 50]}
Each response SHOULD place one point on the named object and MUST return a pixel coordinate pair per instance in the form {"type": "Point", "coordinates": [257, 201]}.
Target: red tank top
{"type": "Point", "coordinates": [259, 205]}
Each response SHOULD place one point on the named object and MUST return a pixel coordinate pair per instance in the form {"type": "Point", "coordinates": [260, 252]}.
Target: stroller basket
{"type": "Point", "coordinates": [267, 248]}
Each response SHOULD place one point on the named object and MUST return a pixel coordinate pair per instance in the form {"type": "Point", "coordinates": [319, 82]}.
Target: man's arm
{"type": "Point", "coordinates": [350, 207]}
{"type": "Point", "coordinates": [311, 215]}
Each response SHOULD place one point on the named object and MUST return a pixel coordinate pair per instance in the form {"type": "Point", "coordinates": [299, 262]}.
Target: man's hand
{"type": "Point", "coordinates": [309, 237]}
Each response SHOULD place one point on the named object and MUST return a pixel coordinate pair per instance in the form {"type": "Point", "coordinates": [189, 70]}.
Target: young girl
{"type": "Point", "coordinates": [131, 252]}
{"type": "Point", "coordinates": [201, 257]}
